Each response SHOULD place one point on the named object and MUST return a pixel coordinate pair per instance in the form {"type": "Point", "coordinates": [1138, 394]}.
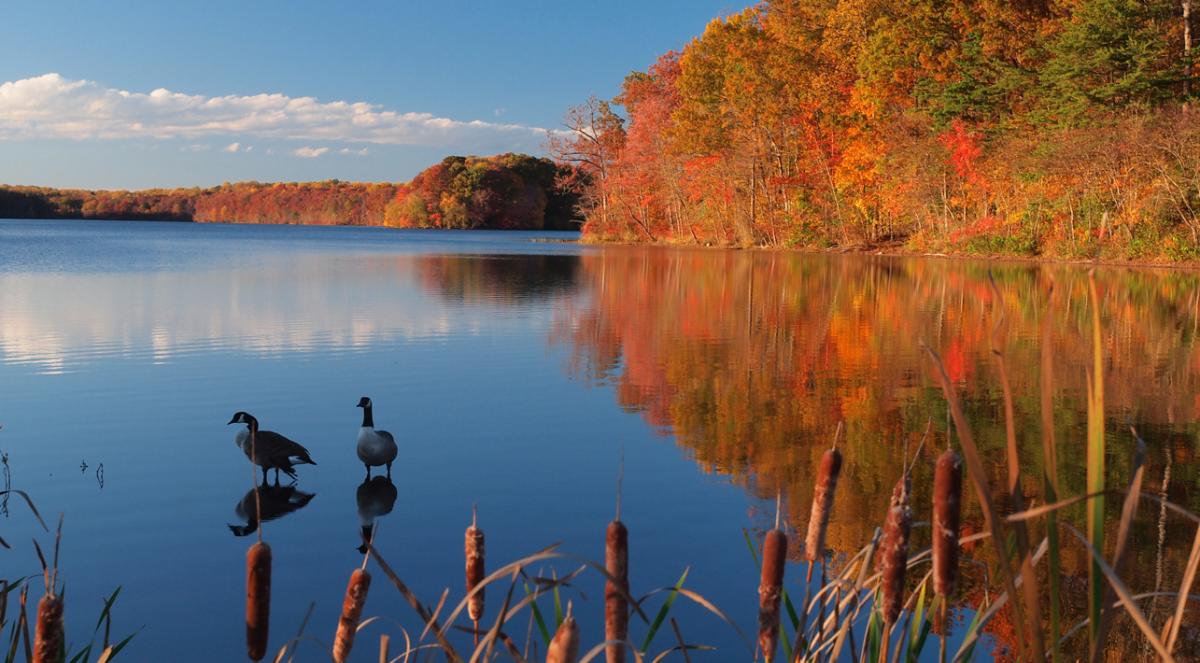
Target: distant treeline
{"type": "Point", "coordinates": [507, 191]}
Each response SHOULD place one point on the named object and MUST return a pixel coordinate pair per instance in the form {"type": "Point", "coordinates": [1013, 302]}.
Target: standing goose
{"type": "Point", "coordinates": [375, 447]}
{"type": "Point", "coordinates": [270, 449]}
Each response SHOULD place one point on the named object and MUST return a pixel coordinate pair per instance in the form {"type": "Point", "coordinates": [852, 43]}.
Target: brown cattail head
{"type": "Point", "coordinates": [475, 554]}
{"type": "Point", "coordinates": [616, 607]}
{"type": "Point", "coordinates": [947, 507]}
{"type": "Point", "coordinates": [258, 599]}
{"type": "Point", "coordinates": [769, 590]}
{"type": "Point", "coordinates": [893, 554]}
{"type": "Point", "coordinates": [48, 641]}
{"type": "Point", "coordinates": [352, 607]}
{"type": "Point", "coordinates": [564, 648]}
{"type": "Point", "coordinates": [818, 521]}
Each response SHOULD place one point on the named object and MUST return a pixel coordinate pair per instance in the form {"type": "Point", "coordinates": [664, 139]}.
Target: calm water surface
{"type": "Point", "coordinates": [514, 374]}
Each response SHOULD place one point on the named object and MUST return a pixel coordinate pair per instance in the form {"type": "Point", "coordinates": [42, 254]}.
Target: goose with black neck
{"type": "Point", "coordinates": [375, 447]}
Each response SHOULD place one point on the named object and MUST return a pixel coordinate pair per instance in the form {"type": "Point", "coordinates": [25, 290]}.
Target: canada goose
{"type": "Point", "coordinates": [270, 449]}
{"type": "Point", "coordinates": [276, 501]}
{"type": "Point", "coordinates": [375, 447]}
{"type": "Point", "coordinates": [375, 498]}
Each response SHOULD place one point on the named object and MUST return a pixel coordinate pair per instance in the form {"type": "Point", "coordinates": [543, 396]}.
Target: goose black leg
{"type": "Point", "coordinates": [277, 476]}
{"type": "Point", "coordinates": [264, 476]}
{"type": "Point", "coordinates": [368, 466]}
{"type": "Point", "coordinates": [389, 470]}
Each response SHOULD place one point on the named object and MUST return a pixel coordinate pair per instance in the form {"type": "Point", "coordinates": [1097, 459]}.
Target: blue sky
{"type": "Point", "coordinates": [141, 94]}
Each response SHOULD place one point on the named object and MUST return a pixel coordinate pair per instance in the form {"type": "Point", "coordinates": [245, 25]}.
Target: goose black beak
{"type": "Point", "coordinates": [232, 421]}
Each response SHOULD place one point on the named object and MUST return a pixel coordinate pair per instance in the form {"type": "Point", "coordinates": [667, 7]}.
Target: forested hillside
{"type": "Point", "coordinates": [1066, 128]}
{"type": "Point", "coordinates": [507, 191]}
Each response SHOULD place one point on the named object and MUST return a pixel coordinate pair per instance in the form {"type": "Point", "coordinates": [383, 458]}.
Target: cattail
{"type": "Point", "coordinates": [352, 607]}
{"type": "Point", "coordinates": [616, 607]}
{"type": "Point", "coordinates": [48, 641]}
{"type": "Point", "coordinates": [564, 648]}
{"type": "Point", "coordinates": [818, 521]}
{"type": "Point", "coordinates": [258, 599]}
{"type": "Point", "coordinates": [475, 552]}
{"type": "Point", "coordinates": [947, 503]}
{"type": "Point", "coordinates": [893, 560]}
{"type": "Point", "coordinates": [769, 591]}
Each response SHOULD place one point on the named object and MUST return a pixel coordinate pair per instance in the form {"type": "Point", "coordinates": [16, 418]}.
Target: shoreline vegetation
{"type": "Point", "coordinates": [1062, 130]}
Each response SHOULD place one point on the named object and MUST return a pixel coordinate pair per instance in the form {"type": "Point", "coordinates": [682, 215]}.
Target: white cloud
{"type": "Point", "coordinates": [357, 153]}
{"type": "Point", "coordinates": [51, 106]}
{"type": "Point", "coordinates": [307, 152]}
{"type": "Point", "coordinates": [232, 148]}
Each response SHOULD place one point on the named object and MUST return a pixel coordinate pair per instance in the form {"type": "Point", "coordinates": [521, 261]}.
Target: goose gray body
{"type": "Point", "coordinates": [269, 450]}
{"type": "Point", "coordinates": [375, 447]}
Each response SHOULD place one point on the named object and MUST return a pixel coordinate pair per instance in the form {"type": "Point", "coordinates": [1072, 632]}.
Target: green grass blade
{"type": "Point", "coordinates": [558, 611]}
{"type": "Point", "coordinates": [918, 624]}
{"type": "Point", "coordinates": [791, 610]}
{"type": "Point", "coordinates": [537, 617]}
{"type": "Point", "coordinates": [874, 637]}
{"type": "Point", "coordinates": [662, 612]}
{"type": "Point", "coordinates": [971, 629]}
{"type": "Point", "coordinates": [1050, 475]}
{"type": "Point", "coordinates": [1095, 467]}
{"type": "Point", "coordinates": [750, 546]}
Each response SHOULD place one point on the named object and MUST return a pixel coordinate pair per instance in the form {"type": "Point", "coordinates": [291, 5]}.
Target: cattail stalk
{"type": "Point", "coordinates": [818, 521]}
{"type": "Point", "coordinates": [616, 607]}
{"type": "Point", "coordinates": [564, 648]}
{"type": "Point", "coordinates": [475, 555]}
{"type": "Point", "coordinates": [947, 507]}
{"type": "Point", "coordinates": [894, 553]}
{"type": "Point", "coordinates": [769, 591]}
{"type": "Point", "coordinates": [352, 607]}
{"type": "Point", "coordinates": [258, 599]}
{"type": "Point", "coordinates": [48, 639]}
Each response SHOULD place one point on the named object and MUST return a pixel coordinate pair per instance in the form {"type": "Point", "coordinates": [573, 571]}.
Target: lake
{"type": "Point", "coordinates": [520, 376]}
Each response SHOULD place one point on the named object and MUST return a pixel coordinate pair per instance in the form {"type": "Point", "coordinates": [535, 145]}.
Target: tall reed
{"type": "Point", "coordinates": [258, 599]}
{"type": "Point", "coordinates": [893, 561]}
{"type": "Point", "coordinates": [352, 607]}
{"type": "Point", "coordinates": [475, 554]}
{"type": "Point", "coordinates": [947, 508]}
{"type": "Point", "coordinates": [48, 639]}
{"type": "Point", "coordinates": [770, 589]}
{"type": "Point", "coordinates": [564, 648]}
{"type": "Point", "coordinates": [818, 520]}
{"type": "Point", "coordinates": [616, 588]}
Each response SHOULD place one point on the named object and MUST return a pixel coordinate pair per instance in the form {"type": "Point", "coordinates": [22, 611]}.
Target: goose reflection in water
{"type": "Point", "coordinates": [375, 497]}
{"type": "Point", "coordinates": [277, 502]}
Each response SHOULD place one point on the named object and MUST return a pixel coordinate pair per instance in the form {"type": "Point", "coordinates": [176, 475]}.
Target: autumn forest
{"type": "Point", "coordinates": [1063, 128]}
